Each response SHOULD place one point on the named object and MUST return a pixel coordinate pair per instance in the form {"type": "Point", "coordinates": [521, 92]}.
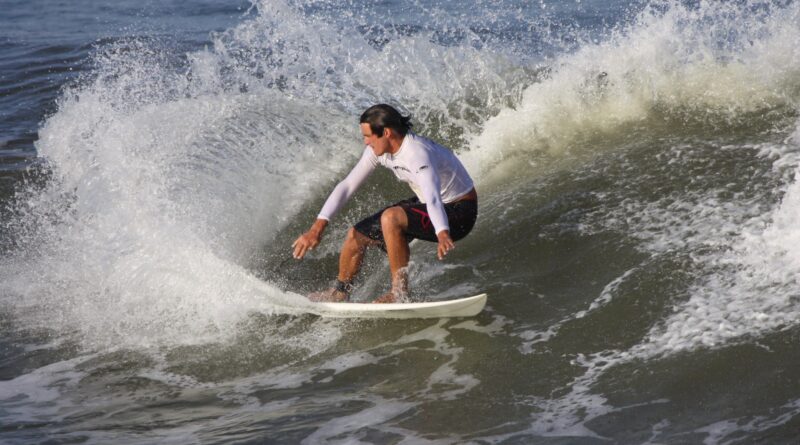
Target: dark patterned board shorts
{"type": "Point", "coordinates": [461, 216]}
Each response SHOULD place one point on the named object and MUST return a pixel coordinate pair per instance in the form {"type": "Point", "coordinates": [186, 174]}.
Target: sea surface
{"type": "Point", "coordinates": [638, 234]}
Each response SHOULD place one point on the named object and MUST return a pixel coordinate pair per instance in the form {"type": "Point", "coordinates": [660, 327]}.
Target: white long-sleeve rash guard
{"type": "Point", "coordinates": [433, 172]}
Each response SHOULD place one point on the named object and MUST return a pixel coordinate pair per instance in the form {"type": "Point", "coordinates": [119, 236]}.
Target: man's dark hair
{"type": "Point", "coordinates": [385, 116]}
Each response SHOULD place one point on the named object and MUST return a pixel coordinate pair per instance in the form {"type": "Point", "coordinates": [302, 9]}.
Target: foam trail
{"type": "Point", "coordinates": [153, 211]}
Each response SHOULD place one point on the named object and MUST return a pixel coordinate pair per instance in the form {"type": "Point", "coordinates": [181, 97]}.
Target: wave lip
{"type": "Point", "coordinates": [710, 63]}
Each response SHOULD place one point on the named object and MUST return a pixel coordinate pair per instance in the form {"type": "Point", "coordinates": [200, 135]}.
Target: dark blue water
{"type": "Point", "coordinates": [636, 163]}
{"type": "Point", "coordinates": [45, 46]}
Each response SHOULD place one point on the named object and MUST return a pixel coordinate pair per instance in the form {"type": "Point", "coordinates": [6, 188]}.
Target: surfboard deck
{"type": "Point", "coordinates": [461, 307]}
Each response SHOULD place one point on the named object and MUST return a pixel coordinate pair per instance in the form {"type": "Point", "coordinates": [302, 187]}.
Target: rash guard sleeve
{"type": "Point", "coordinates": [345, 189]}
{"type": "Point", "coordinates": [428, 180]}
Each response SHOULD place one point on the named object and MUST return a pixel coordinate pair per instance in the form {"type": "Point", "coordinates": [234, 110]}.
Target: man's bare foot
{"type": "Point", "coordinates": [394, 296]}
{"type": "Point", "coordinates": [331, 295]}
{"type": "Point", "coordinates": [386, 298]}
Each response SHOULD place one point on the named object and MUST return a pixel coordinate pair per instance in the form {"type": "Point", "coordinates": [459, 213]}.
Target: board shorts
{"type": "Point", "coordinates": [461, 216]}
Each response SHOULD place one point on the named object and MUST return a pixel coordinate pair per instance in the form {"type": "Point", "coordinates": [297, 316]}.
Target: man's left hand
{"type": "Point", "coordinates": [445, 244]}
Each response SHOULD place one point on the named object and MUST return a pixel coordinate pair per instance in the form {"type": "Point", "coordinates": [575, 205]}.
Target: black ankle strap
{"type": "Point", "coordinates": [343, 286]}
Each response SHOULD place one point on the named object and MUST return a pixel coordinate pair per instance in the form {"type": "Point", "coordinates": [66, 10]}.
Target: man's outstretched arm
{"type": "Point", "coordinates": [338, 197]}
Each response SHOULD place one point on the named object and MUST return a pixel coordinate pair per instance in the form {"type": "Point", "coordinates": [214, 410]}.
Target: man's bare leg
{"type": "Point", "coordinates": [352, 254]}
{"type": "Point", "coordinates": [394, 224]}
{"type": "Point", "coordinates": [350, 258]}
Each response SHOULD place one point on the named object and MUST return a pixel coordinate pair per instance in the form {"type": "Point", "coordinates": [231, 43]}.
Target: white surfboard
{"type": "Point", "coordinates": [462, 307]}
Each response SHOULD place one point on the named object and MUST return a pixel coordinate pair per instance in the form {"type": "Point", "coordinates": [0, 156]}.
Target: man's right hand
{"type": "Point", "coordinates": [309, 240]}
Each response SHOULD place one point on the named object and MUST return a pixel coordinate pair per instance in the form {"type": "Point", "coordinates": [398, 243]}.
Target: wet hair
{"type": "Point", "coordinates": [385, 116]}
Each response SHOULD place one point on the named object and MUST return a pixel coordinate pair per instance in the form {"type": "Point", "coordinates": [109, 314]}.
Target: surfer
{"type": "Point", "coordinates": [443, 211]}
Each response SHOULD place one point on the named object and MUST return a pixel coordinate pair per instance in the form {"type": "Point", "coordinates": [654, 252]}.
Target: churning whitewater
{"type": "Point", "coordinates": [637, 236]}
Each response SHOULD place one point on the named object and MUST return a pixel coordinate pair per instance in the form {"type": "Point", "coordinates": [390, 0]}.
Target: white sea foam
{"type": "Point", "coordinates": [752, 289]}
{"type": "Point", "coordinates": [533, 337]}
{"type": "Point", "coordinates": [38, 394]}
{"type": "Point", "coordinates": [495, 328]}
{"type": "Point", "coordinates": [730, 430]}
{"type": "Point", "coordinates": [379, 412]}
{"type": "Point", "coordinates": [711, 61]}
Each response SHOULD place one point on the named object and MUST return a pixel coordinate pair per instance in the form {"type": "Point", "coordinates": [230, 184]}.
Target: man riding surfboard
{"type": "Point", "coordinates": [443, 211]}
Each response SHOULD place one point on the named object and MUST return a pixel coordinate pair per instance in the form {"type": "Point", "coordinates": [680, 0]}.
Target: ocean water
{"type": "Point", "coordinates": [636, 163]}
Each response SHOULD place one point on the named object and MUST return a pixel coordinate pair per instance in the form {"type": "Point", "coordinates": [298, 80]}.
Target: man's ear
{"type": "Point", "coordinates": [388, 132]}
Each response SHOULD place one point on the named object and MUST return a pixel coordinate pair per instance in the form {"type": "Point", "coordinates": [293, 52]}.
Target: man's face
{"type": "Point", "coordinates": [379, 145]}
